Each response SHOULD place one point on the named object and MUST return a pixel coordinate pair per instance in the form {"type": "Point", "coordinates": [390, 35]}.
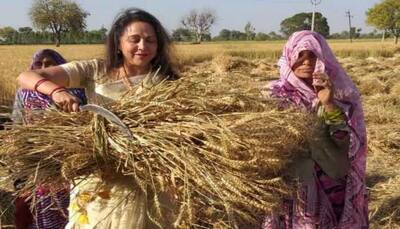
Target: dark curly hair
{"type": "Point", "coordinates": [163, 59]}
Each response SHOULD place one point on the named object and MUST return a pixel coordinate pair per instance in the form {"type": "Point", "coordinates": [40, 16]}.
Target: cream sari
{"type": "Point", "coordinates": [112, 203]}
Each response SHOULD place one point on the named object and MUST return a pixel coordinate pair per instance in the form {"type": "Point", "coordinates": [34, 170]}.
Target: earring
{"type": "Point", "coordinates": [119, 52]}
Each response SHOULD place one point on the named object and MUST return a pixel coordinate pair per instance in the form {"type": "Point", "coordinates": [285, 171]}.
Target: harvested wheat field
{"type": "Point", "coordinates": [234, 101]}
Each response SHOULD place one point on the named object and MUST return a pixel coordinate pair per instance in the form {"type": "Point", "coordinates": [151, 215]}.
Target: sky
{"type": "Point", "coordinates": [264, 15]}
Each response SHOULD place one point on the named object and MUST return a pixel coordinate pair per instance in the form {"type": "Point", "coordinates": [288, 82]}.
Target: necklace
{"type": "Point", "coordinates": [125, 79]}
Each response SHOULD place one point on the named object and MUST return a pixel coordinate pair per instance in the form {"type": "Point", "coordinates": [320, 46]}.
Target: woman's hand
{"type": "Point", "coordinates": [65, 101]}
{"type": "Point", "coordinates": [324, 90]}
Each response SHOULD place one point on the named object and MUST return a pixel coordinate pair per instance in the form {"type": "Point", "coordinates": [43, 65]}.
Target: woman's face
{"type": "Point", "coordinates": [138, 45]}
{"type": "Point", "coordinates": [44, 62]}
{"type": "Point", "coordinates": [304, 66]}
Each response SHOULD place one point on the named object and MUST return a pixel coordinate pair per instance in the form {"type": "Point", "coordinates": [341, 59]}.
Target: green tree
{"type": "Point", "coordinates": [58, 16]}
{"type": "Point", "coordinates": [237, 35]}
{"type": "Point", "coordinates": [230, 35]}
{"type": "Point", "coordinates": [182, 34]}
{"type": "Point", "coordinates": [355, 32]}
{"type": "Point", "coordinates": [25, 35]}
{"type": "Point", "coordinates": [340, 35]}
{"type": "Point", "coordinates": [25, 30]}
{"type": "Point", "coordinates": [249, 30]}
{"type": "Point", "coordinates": [386, 16]}
{"type": "Point", "coordinates": [261, 36]}
{"type": "Point", "coordinates": [302, 21]}
{"type": "Point", "coordinates": [7, 34]}
{"type": "Point", "coordinates": [223, 35]}
{"type": "Point", "coordinates": [207, 37]}
{"type": "Point", "coordinates": [274, 36]}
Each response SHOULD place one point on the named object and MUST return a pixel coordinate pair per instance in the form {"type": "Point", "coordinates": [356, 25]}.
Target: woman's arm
{"type": "Point", "coordinates": [56, 75]}
{"type": "Point", "coordinates": [330, 143]}
{"type": "Point", "coordinates": [58, 79]}
{"type": "Point", "coordinates": [332, 158]}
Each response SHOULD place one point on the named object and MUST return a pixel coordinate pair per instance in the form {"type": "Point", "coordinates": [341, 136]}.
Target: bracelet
{"type": "Point", "coordinates": [38, 83]}
{"type": "Point", "coordinates": [57, 89]}
{"type": "Point", "coordinates": [334, 116]}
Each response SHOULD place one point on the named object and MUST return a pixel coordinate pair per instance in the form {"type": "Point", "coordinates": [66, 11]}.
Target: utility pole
{"type": "Point", "coordinates": [315, 3]}
{"type": "Point", "coordinates": [349, 16]}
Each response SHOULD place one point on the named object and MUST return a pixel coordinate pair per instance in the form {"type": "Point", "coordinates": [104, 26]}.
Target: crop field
{"type": "Point", "coordinates": [373, 65]}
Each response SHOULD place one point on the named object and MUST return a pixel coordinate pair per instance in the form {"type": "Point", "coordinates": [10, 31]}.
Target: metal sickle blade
{"type": "Point", "coordinates": [107, 114]}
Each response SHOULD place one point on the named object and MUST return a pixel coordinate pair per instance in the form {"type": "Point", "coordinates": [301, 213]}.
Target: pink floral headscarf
{"type": "Point", "coordinates": [295, 91]}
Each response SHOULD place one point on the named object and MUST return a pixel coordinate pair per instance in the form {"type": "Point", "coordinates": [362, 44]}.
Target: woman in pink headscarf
{"type": "Point", "coordinates": [332, 191]}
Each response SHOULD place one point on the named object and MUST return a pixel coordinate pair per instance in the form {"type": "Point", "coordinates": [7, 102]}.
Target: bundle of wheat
{"type": "Point", "coordinates": [225, 63]}
{"type": "Point", "coordinates": [4, 115]}
{"type": "Point", "coordinates": [6, 209]}
{"type": "Point", "coordinates": [371, 86]}
{"type": "Point", "coordinates": [222, 149]}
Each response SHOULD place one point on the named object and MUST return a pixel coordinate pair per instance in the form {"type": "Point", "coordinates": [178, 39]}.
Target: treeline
{"type": "Point", "coordinates": [26, 35]}
{"type": "Point", "coordinates": [232, 35]}
{"type": "Point", "coordinates": [184, 35]}
{"type": "Point", "coordinates": [356, 34]}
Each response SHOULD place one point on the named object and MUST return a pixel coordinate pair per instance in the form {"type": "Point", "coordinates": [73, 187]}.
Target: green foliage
{"type": "Point", "coordinates": [235, 35]}
{"type": "Point", "coordinates": [356, 33]}
{"type": "Point", "coordinates": [386, 16]}
{"type": "Point", "coordinates": [58, 16]}
{"type": "Point", "coordinates": [274, 36]}
{"type": "Point", "coordinates": [261, 36]}
{"type": "Point", "coordinates": [25, 30]}
{"type": "Point", "coordinates": [7, 34]}
{"type": "Point", "coordinates": [26, 35]}
{"type": "Point", "coordinates": [230, 35]}
{"type": "Point", "coordinates": [182, 34]}
{"type": "Point", "coordinates": [302, 21]}
{"type": "Point", "coordinates": [224, 35]}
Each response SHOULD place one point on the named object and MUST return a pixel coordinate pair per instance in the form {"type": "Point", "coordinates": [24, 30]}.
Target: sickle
{"type": "Point", "coordinates": [107, 114]}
